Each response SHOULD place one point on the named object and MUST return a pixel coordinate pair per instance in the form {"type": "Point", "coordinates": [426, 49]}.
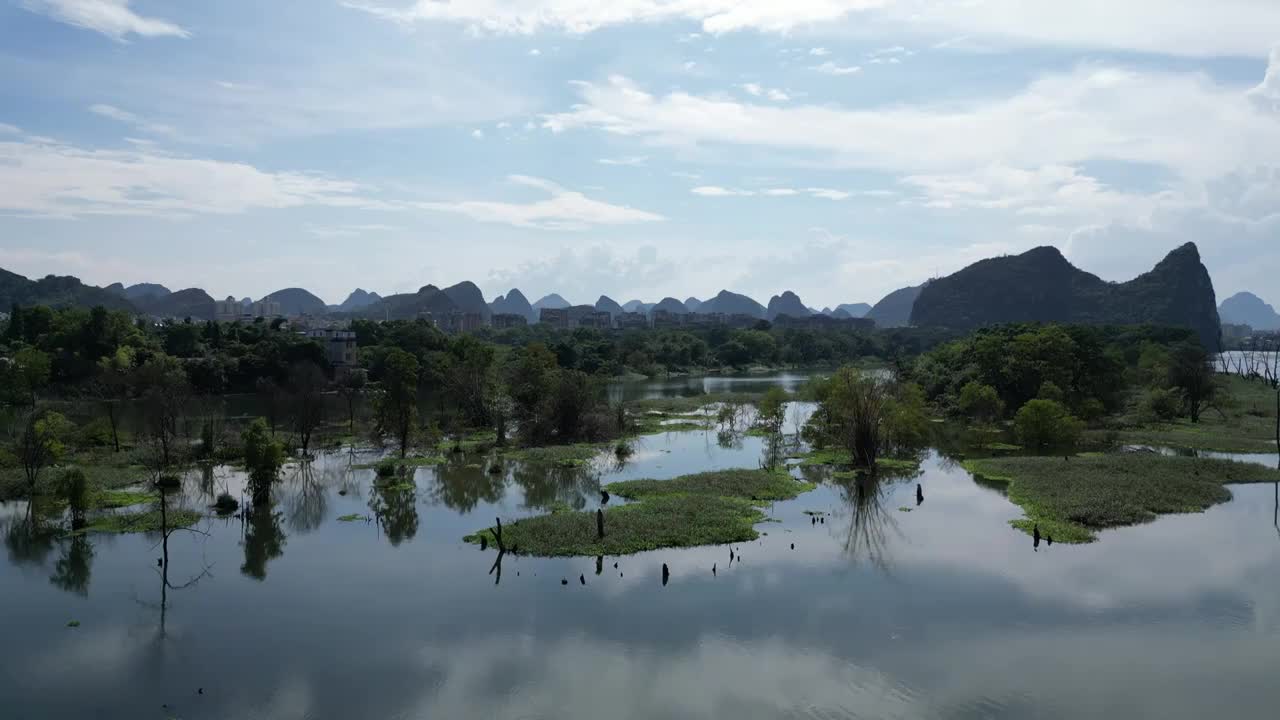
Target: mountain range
{"type": "Point", "coordinates": [1040, 285]}
{"type": "Point", "coordinates": [1248, 309]}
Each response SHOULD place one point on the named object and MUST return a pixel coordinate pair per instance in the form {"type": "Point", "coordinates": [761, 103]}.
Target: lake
{"type": "Point", "coordinates": [940, 612]}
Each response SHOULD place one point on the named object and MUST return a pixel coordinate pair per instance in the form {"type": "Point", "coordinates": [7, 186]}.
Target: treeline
{"type": "Point", "coordinates": [1053, 379]}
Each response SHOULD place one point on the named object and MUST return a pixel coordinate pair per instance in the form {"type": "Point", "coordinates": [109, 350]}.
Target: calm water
{"type": "Point", "coordinates": [941, 612]}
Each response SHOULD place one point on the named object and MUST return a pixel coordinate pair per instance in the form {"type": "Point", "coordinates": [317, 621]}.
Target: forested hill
{"type": "Point", "coordinates": [55, 291]}
{"type": "Point", "coordinates": [1040, 285]}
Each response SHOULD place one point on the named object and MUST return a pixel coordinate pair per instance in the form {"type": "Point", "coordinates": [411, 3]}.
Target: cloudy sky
{"type": "Point", "coordinates": [839, 148]}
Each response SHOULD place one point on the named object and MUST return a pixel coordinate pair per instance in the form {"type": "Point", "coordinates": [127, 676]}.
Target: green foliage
{"type": "Point", "coordinates": [866, 416]}
{"type": "Point", "coordinates": [1161, 404]}
{"type": "Point", "coordinates": [1070, 499]}
{"type": "Point", "coordinates": [74, 490]}
{"type": "Point", "coordinates": [397, 402]}
{"type": "Point", "coordinates": [1046, 425]}
{"type": "Point", "coordinates": [263, 457]}
{"type": "Point", "coordinates": [980, 402]}
{"type": "Point", "coordinates": [704, 509]}
{"type": "Point", "coordinates": [147, 521]}
{"type": "Point", "coordinates": [771, 409]}
{"type": "Point", "coordinates": [1191, 372]}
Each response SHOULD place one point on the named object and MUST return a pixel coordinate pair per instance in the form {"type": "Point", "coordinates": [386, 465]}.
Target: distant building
{"type": "Point", "coordinates": [503, 321]}
{"type": "Point", "coordinates": [555, 317]}
{"type": "Point", "coordinates": [456, 321]}
{"type": "Point", "coordinates": [231, 310]}
{"type": "Point", "coordinates": [597, 319]}
{"type": "Point", "coordinates": [633, 321]}
{"type": "Point", "coordinates": [340, 346]}
{"type": "Point", "coordinates": [574, 317]}
{"type": "Point", "coordinates": [667, 319]}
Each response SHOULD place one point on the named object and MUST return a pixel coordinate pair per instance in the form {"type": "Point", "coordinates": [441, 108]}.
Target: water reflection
{"type": "Point", "coordinates": [29, 540]}
{"type": "Point", "coordinates": [462, 487]}
{"type": "Point", "coordinates": [395, 505]}
{"type": "Point", "coordinates": [72, 570]}
{"type": "Point", "coordinates": [263, 540]}
{"type": "Point", "coordinates": [872, 524]}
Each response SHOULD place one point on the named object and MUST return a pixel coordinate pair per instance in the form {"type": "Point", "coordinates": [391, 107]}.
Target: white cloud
{"type": "Point", "coordinates": [580, 274]}
{"type": "Point", "coordinates": [1185, 122]}
{"type": "Point", "coordinates": [575, 16]}
{"type": "Point", "coordinates": [535, 52]}
{"type": "Point", "coordinates": [717, 191]}
{"type": "Point", "coordinates": [630, 160]}
{"type": "Point", "coordinates": [7, 129]}
{"type": "Point", "coordinates": [112, 18]}
{"type": "Point", "coordinates": [128, 118]}
{"type": "Point", "coordinates": [830, 68]}
{"type": "Point", "coordinates": [57, 180]}
{"type": "Point", "coordinates": [564, 210]}
{"type": "Point", "coordinates": [478, 134]}
{"type": "Point", "coordinates": [1267, 93]}
{"type": "Point", "coordinates": [823, 193]}
{"type": "Point", "coordinates": [1175, 27]}
{"type": "Point", "coordinates": [689, 66]}
{"type": "Point", "coordinates": [341, 231]}
{"type": "Point", "coordinates": [819, 52]}
{"type": "Point", "coordinates": [758, 90]}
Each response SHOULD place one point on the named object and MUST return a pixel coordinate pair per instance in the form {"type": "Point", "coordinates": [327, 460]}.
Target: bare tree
{"type": "Point", "coordinates": [306, 400]}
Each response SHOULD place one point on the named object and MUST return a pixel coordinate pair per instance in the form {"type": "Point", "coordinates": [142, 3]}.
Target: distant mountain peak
{"type": "Point", "coordinates": [1041, 286]}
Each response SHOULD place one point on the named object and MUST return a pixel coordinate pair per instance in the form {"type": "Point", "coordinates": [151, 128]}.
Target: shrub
{"type": "Point", "coordinates": [1047, 424]}
{"type": "Point", "coordinates": [387, 467]}
{"type": "Point", "coordinates": [1049, 390]}
{"type": "Point", "coordinates": [95, 433]}
{"type": "Point", "coordinates": [225, 504]}
{"type": "Point", "coordinates": [980, 402]}
{"type": "Point", "coordinates": [1162, 404]}
{"type": "Point", "coordinates": [74, 488]}
{"type": "Point", "coordinates": [263, 457]}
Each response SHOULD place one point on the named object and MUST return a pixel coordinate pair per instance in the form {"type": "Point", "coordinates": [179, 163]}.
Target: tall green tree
{"type": "Point", "coordinates": [40, 445]}
{"type": "Point", "coordinates": [397, 402]}
{"type": "Point", "coordinates": [263, 456]}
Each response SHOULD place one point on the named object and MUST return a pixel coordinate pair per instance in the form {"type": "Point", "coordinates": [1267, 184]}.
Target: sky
{"type": "Point", "coordinates": [636, 148]}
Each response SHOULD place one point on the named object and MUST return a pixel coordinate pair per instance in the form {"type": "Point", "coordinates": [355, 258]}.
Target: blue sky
{"type": "Point", "coordinates": [640, 148]}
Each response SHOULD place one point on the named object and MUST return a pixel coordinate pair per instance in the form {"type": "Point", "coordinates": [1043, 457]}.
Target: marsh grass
{"type": "Point", "coordinates": [140, 522]}
{"type": "Point", "coordinates": [1246, 423]}
{"type": "Point", "coordinates": [1071, 499]}
{"type": "Point", "coordinates": [564, 456]}
{"type": "Point", "coordinates": [704, 509]}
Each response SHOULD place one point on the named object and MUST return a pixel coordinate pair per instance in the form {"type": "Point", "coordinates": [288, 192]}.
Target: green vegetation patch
{"type": "Point", "coordinates": [704, 509]}
{"type": "Point", "coordinates": [758, 485]}
{"type": "Point", "coordinates": [475, 441]}
{"type": "Point", "coordinates": [353, 517]}
{"type": "Point", "coordinates": [110, 499]}
{"type": "Point", "coordinates": [566, 456]}
{"type": "Point", "coordinates": [841, 458]}
{"type": "Point", "coordinates": [141, 522]}
{"type": "Point", "coordinates": [1242, 420]}
{"type": "Point", "coordinates": [409, 462]}
{"type": "Point", "coordinates": [656, 425]}
{"type": "Point", "coordinates": [1071, 499]}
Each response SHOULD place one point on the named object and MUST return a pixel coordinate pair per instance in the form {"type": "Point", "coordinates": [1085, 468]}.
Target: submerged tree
{"type": "Point", "coordinates": [397, 401]}
{"type": "Point", "coordinates": [40, 445]}
{"type": "Point", "coordinates": [1046, 424]}
{"type": "Point", "coordinates": [165, 393]}
{"type": "Point", "coordinates": [980, 402]}
{"type": "Point", "coordinates": [867, 415]}
{"type": "Point", "coordinates": [350, 388]}
{"type": "Point", "coordinates": [306, 400]}
{"type": "Point", "coordinates": [114, 373]}
{"type": "Point", "coordinates": [263, 457]}
{"type": "Point", "coordinates": [771, 410]}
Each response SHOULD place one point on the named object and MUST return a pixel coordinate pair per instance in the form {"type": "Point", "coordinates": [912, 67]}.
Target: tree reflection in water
{"type": "Point", "coordinates": [263, 540]}
{"type": "Point", "coordinates": [28, 540]}
{"type": "Point", "coordinates": [307, 498]}
{"type": "Point", "coordinates": [547, 486]}
{"type": "Point", "coordinates": [394, 501]}
{"type": "Point", "coordinates": [462, 487]}
{"type": "Point", "coordinates": [871, 521]}
{"type": "Point", "coordinates": [71, 572]}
